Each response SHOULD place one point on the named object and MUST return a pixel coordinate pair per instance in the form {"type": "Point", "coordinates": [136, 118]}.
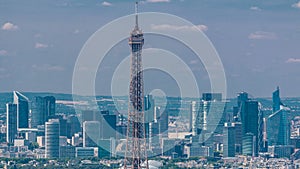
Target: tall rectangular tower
{"type": "Point", "coordinates": [22, 109]}
{"type": "Point", "coordinates": [229, 140]}
{"type": "Point", "coordinates": [251, 123]}
{"type": "Point", "coordinates": [11, 122]}
{"type": "Point", "coordinates": [43, 108]}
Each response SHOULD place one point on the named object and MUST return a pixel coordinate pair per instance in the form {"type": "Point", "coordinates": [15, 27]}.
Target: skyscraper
{"type": "Point", "coordinates": [52, 138]}
{"type": "Point", "coordinates": [195, 118]}
{"type": "Point", "coordinates": [42, 109]}
{"type": "Point", "coordinates": [22, 109]}
{"type": "Point", "coordinates": [276, 100]}
{"type": "Point", "coordinates": [136, 149]}
{"type": "Point", "coordinates": [250, 122]}
{"type": "Point", "coordinates": [249, 144]}
{"type": "Point", "coordinates": [107, 124]}
{"type": "Point", "coordinates": [212, 96]}
{"type": "Point", "coordinates": [229, 140]}
{"type": "Point", "coordinates": [250, 116]}
{"type": "Point", "coordinates": [242, 97]}
{"type": "Point", "coordinates": [11, 122]}
{"type": "Point", "coordinates": [149, 108]}
{"type": "Point", "coordinates": [106, 148]}
{"type": "Point", "coordinates": [91, 133]}
{"type": "Point", "coordinates": [238, 137]}
{"type": "Point", "coordinates": [163, 122]}
{"type": "Point", "coordinates": [212, 115]}
{"type": "Point", "coordinates": [154, 135]}
{"type": "Point", "coordinates": [278, 125]}
{"type": "Point", "coordinates": [73, 125]}
{"type": "Point", "coordinates": [149, 112]}
{"type": "Point", "coordinates": [87, 115]}
{"type": "Point", "coordinates": [260, 136]}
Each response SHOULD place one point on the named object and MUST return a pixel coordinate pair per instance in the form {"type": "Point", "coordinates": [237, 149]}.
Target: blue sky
{"type": "Point", "coordinates": [258, 41]}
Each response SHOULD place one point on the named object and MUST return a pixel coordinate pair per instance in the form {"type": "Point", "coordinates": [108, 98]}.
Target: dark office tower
{"type": "Point", "coordinates": [163, 121]}
{"type": "Point", "coordinates": [212, 96]}
{"type": "Point", "coordinates": [190, 128]}
{"type": "Point", "coordinates": [49, 106]}
{"type": "Point", "coordinates": [87, 115]}
{"type": "Point", "coordinates": [238, 137]}
{"type": "Point", "coordinates": [235, 110]}
{"type": "Point", "coordinates": [108, 126]}
{"type": "Point", "coordinates": [249, 144]}
{"type": "Point", "coordinates": [22, 109]}
{"type": "Point", "coordinates": [250, 119]}
{"type": "Point", "coordinates": [73, 125]}
{"type": "Point", "coordinates": [52, 138]}
{"type": "Point", "coordinates": [276, 100]}
{"type": "Point", "coordinates": [43, 108]}
{"type": "Point", "coordinates": [149, 113]}
{"type": "Point", "coordinates": [260, 136]}
{"type": "Point", "coordinates": [11, 122]}
{"type": "Point", "coordinates": [37, 112]}
{"type": "Point", "coordinates": [229, 140]}
{"type": "Point", "coordinates": [279, 127]}
{"type": "Point", "coordinates": [242, 97]}
{"type": "Point", "coordinates": [63, 126]}
{"type": "Point", "coordinates": [121, 130]}
{"type": "Point", "coordinates": [106, 148]}
{"type": "Point", "coordinates": [149, 108]}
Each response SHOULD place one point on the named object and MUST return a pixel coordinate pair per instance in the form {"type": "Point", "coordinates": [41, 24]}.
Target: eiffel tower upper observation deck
{"type": "Point", "coordinates": [136, 149]}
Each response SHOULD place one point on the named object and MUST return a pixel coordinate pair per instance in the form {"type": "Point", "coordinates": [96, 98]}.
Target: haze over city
{"type": "Point", "coordinates": [257, 41]}
{"type": "Point", "coordinates": [151, 84]}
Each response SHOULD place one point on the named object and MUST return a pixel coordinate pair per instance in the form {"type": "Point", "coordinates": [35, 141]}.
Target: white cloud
{"type": "Point", "coordinates": [47, 67]}
{"type": "Point", "coordinates": [40, 45]}
{"type": "Point", "coordinates": [262, 35]}
{"type": "Point", "coordinates": [156, 1]}
{"type": "Point", "coordinates": [255, 8]}
{"type": "Point", "coordinates": [179, 28]}
{"type": "Point", "coordinates": [3, 52]}
{"type": "Point", "coordinates": [76, 31]}
{"type": "Point", "coordinates": [296, 5]}
{"type": "Point", "coordinates": [9, 26]}
{"type": "Point", "coordinates": [293, 60]}
{"type": "Point", "coordinates": [105, 3]}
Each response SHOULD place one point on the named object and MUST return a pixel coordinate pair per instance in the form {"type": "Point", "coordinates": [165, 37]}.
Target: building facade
{"type": "Point", "coordinates": [11, 122]}
{"type": "Point", "coordinates": [52, 134]}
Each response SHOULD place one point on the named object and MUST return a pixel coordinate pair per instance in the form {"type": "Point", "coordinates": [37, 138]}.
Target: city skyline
{"type": "Point", "coordinates": [135, 83]}
{"type": "Point", "coordinates": [263, 42]}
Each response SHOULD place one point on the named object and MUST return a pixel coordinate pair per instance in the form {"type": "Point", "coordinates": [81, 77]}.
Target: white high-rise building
{"type": "Point", "coordinates": [52, 138]}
